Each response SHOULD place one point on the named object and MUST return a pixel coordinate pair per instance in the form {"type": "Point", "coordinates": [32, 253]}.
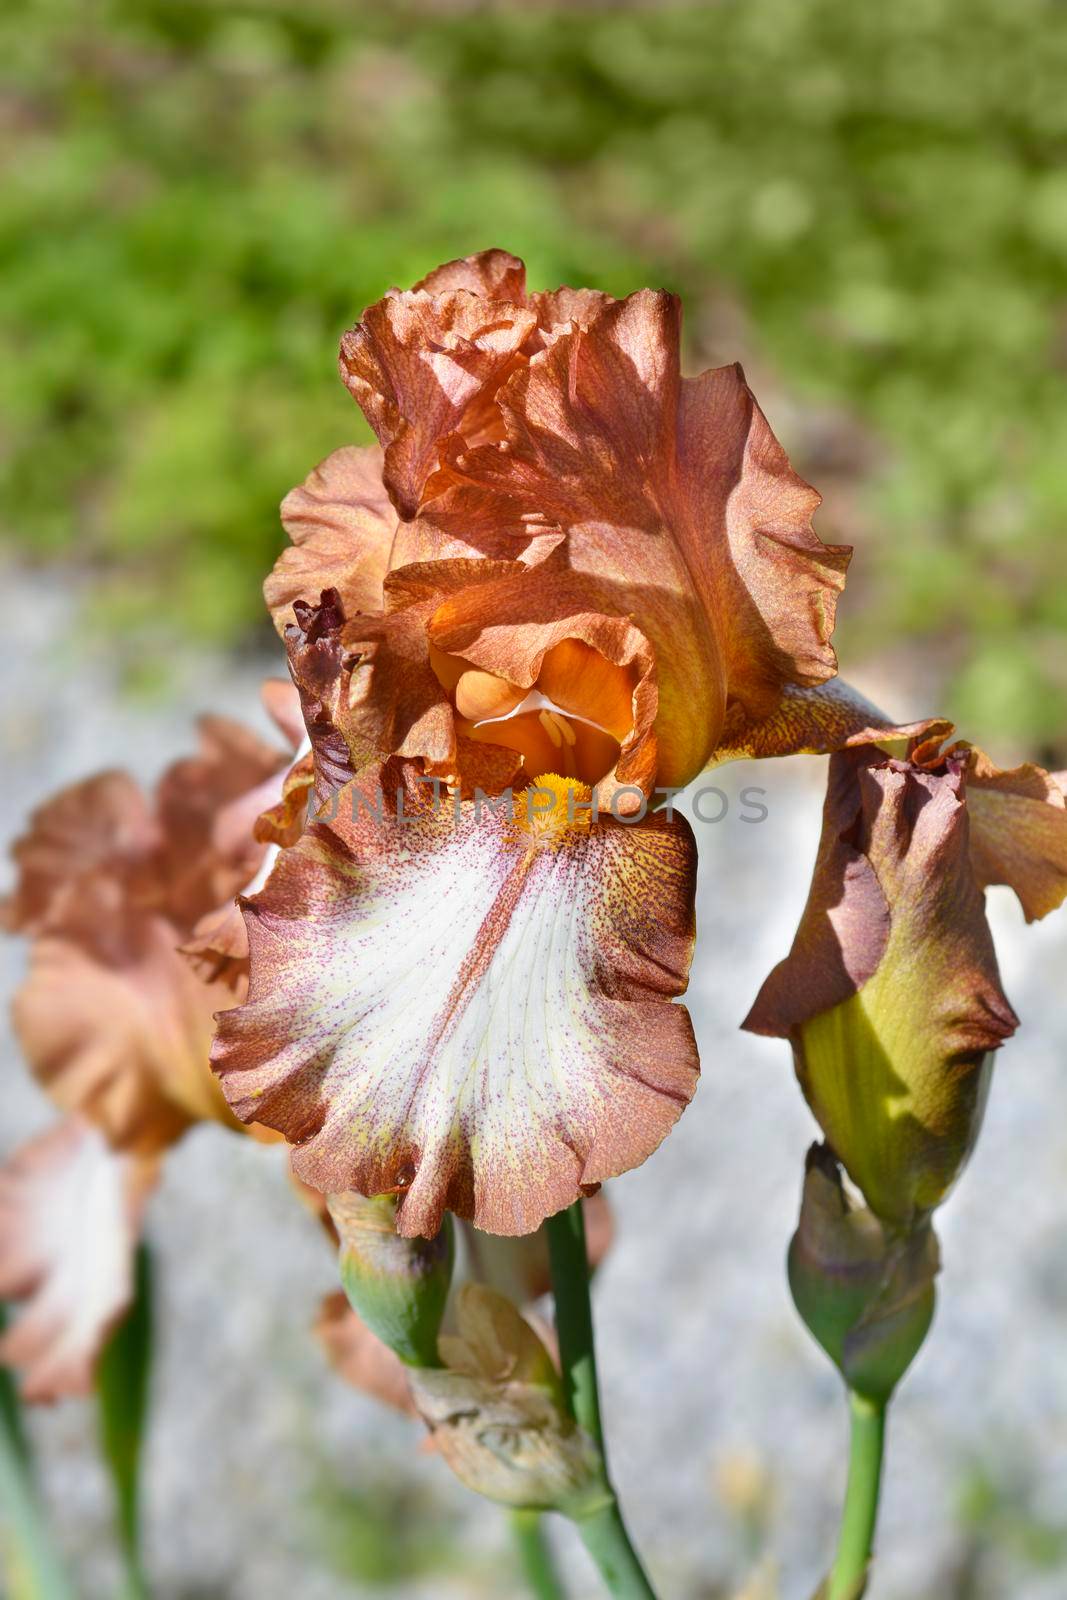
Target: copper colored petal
{"type": "Point", "coordinates": [102, 824]}
{"type": "Point", "coordinates": [416, 363]}
{"type": "Point", "coordinates": [119, 1030]}
{"type": "Point", "coordinates": [492, 274]}
{"type": "Point", "coordinates": [388, 952]}
{"type": "Point", "coordinates": [342, 524]}
{"type": "Point", "coordinates": [508, 626]}
{"type": "Point", "coordinates": [1018, 832]}
{"type": "Point", "coordinates": [679, 507]}
{"type": "Point", "coordinates": [281, 701]}
{"type": "Point", "coordinates": [816, 721]}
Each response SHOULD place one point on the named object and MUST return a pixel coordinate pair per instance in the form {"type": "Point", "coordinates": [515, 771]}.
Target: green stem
{"type": "Point", "coordinates": [603, 1531]}
{"type": "Point", "coordinates": [122, 1385]}
{"type": "Point", "coordinates": [860, 1515]}
{"type": "Point", "coordinates": [535, 1558]}
{"type": "Point", "coordinates": [29, 1559]}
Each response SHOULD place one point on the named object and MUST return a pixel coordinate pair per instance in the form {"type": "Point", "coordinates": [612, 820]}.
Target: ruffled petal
{"type": "Point", "coordinates": [102, 825]}
{"type": "Point", "coordinates": [492, 274]}
{"type": "Point", "coordinates": [70, 1217]}
{"type": "Point", "coordinates": [1018, 832]}
{"type": "Point", "coordinates": [678, 502]}
{"type": "Point", "coordinates": [342, 524]}
{"type": "Point", "coordinates": [118, 1027]}
{"type": "Point", "coordinates": [207, 805]}
{"type": "Point", "coordinates": [507, 627]}
{"type": "Point", "coordinates": [417, 363]}
{"type": "Point", "coordinates": [438, 1006]}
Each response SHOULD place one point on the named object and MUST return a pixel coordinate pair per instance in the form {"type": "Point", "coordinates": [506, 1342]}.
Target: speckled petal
{"type": "Point", "coordinates": [441, 1007]}
{"type": "Point", "coordinates": [816, 721]}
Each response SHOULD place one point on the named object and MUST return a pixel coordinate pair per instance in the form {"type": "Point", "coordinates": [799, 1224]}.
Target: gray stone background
{"type": "Point", "coordinates": [268, 1479]}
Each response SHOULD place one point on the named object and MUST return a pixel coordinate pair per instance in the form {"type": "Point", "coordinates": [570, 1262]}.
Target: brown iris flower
{"type": "Point", "coordinates": [891, 995]}
{"type": "Point", "coordinates": [572, 576]}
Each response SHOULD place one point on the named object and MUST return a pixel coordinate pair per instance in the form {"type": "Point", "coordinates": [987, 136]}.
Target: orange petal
{"type": "Point", "coordinates": [70, 1216]}
{"type": "Point", "coordinates": [416, 363]}
{"type": "Point", "coordinates": [115, 1022]}
{"type": "Point", "coordinates": [512, 626]}
{"type": "Point", "coordinates": [1018, 832]}
{"type": "Point", "coordinates": [395, 701]}
{"type": "Point", "coordinates": [436, 1007]}
{"type": "Point", "coordinates": [119, 1028]}
{"type": "Point", "coordinates": [492, 274]}
{"type": "Point", "coordinates": [281, 702]}
{"type": "Point", "coordinates": [342, 525]}
{"type": "Point", "coordinates": [679, 507]}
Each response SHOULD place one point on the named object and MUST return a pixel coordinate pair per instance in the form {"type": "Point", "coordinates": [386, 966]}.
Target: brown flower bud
{"type": "Point", "coordinates": [498, 1416]}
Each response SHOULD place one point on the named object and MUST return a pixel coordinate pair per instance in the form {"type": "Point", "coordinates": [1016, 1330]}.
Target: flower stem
{"type": "Point", "coordinates": [535, 1558]}
{"type": "Point", "coordinates": [860, 1514]}
{"type": "Point", "coordinates": [603, 1531]}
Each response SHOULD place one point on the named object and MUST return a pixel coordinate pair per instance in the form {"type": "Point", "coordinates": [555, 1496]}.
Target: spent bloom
{"type": "Point", "coordinates": [566, 570]}
{"type": "Point", "coordinates": [891, 996]}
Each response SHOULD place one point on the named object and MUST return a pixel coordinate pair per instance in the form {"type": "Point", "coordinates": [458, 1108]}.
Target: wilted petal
{"type": "Point", "coordinates": [442, 1007]}
{"type": "Point", "coordinates": [418, 362]}
{"type": "Point", "coordinates": [518, 1267]}
{"type": "Point", "coordinates": [891, 994]}
{"type": "Point", "coordinates": [361, 1359]}
{"type": "Point", "coordinates": [497, 1415]}
{"type": "Point", "coordinates": [1018, 832]}
{"type": "Point", "coordinates": [342, 524]}
{"type": "Point", "coordinates": [70, 1217]}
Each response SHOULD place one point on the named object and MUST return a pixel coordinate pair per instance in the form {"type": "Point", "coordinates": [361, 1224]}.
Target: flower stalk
{"type": "Point", "coordinates": [860, 1515]}
{"type": "Point", "coordinates": [603, 1530]}
{"type": "Point", "coordinates": [535, 1558]}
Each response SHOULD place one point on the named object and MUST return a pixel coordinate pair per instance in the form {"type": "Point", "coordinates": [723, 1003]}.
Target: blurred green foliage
{"type": "Point", "coordinates": [868, 201]}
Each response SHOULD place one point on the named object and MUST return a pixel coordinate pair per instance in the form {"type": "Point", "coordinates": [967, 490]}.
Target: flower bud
{"type": "Point", "coordinates": [399, 1287]}
{"type": "Point", "coordinates": [498, 1415]}
{"type": "Point", "coordinates": [865, 1292]}
{"type": "Point", "coordinates": [891, 995]}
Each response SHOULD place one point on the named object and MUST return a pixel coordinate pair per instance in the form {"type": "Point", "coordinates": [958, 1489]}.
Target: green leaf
{"type": "Point", "coordinates": [29, 1561]}
{"type": "Point", "coordinates": [122, 1383]}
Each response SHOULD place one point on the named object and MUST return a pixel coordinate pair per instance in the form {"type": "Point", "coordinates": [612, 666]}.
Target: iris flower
{"type": "Point", "coordinates": [570, 576]}
{"type": "Point", "coordinates": [116, 1021]}
{"type": "Point", "coordinates": [891, 995]}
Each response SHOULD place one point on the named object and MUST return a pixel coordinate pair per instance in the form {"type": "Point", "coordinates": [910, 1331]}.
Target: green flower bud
{"type": "Point", "coordinates": [865, 1292]}
{"type": "Point", "coordinates": [891, 996]}
{"type": "Point", "coordinates": [399, 1287]}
